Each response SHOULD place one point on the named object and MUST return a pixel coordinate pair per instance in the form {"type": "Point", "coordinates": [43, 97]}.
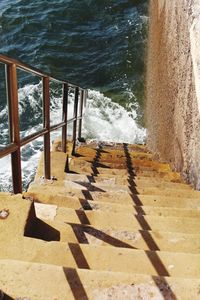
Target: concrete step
{"type": "Point", "coordinates": [115, 162]}
{"type": "Point", "coordinates": [39, 248]}
{"type": "Point", "coordinates": [89, 284]}
{"type": "Point", "coordinates": [137, 181]}
{"type": "Point", "coordinates": [138, 239]}
{"type": "Point", "coordinates": [171, 176]}
{"type": "Point", "coordinates": [134, 261]}
{"type": "Point", "coordinates": [117, 152]}
{"type": "Point", "coordinates": [126, 221]}
{"type": "Point", "coordinates": [108, 258]}
{"type": "Point", "coordinates": [149, 190]}
{"type": "Point", "coordinates": [126, 180]}
{"type": "Point", "coordinates": [87, 170]}
{"type": "Point", "coordinates": [124, 198]}
{"type": "Point", "coordinates": [77, 199]}
{"type": "Point", "coordinates": [80, 162]}
{"type": "Point", "coordinates": [79, 181]}
{"type": "Point", "coordinates": [51, 188]}
{"type": "Point", "coordinates": [50, 210]}
{"type": "Point", "coordinates": [112, 147]}
{"type": "Point", "coordinates": [79, 188]}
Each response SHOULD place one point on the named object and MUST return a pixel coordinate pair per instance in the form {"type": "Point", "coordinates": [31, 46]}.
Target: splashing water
{"type": "Point", "coordinates": [108, 121]}
{"type": "Point", "coordinates": [103, 121]}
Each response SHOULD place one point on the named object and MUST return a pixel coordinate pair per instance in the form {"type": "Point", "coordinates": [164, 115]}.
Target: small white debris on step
{"type": "Point", "coordinates": [4, 213]}
{"type": "Point", "coordinates": [170, 267]}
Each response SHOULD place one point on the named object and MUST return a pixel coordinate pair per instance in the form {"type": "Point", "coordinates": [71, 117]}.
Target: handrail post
{"type": "Point", "coordinates": [75, 120]}
{"type": "Point", "coordinates": [65, 110]}
{"type": "Point", "coordinates": [46, 108]}
{"type": "Point", "coordinates": [81, 115]}
{"type": "Point", "coordinates": [85, 98]}
{"type": "Point", "coordinates": [12, 90]}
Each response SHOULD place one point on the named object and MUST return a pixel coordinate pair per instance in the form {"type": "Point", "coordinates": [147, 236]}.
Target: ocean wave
{"type": "Point", "coordinates": [104, 120]}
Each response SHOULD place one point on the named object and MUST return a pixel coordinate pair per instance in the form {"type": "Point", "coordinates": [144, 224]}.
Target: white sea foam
{"type": "Point", "coordinates": [108, 121]}
{"type": "Point", "coordinates": [104, 121]}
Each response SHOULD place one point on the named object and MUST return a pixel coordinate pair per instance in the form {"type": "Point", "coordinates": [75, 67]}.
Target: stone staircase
{"type": "Point", "coordinates": [113, 223]}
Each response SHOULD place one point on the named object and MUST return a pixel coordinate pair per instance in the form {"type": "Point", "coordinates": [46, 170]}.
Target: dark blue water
{"type": "Point", "coordinates": [95, 43]}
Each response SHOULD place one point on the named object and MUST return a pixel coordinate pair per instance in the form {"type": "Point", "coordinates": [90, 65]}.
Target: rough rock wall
{"type": "Point", "coordinates": [173, 85]}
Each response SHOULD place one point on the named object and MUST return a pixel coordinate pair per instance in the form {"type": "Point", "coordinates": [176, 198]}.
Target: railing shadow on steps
{"type": "Point", "coordinates": [75, 284]}
{"type": "Point", "coordinates": [152, 253]}
{"type": "Point", "coordinates": [15, 143]}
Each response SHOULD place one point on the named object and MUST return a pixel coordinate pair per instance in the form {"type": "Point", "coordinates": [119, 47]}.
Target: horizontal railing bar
{"type": "Point", "coordinates": [70, 120]}
{"type": "Point", "coordinates": [57, 126]}
{"type": "Point", "coordinates": [8, 150]}
{"type": "Point", "coordinates": [71, 85]}
{"type": "Point", "coordinates": [9, 61]}
{"type": "Point", "coordinates": [32, 137]}
{"type": "Point", "coordinates": [73, 119]}
{"type": "Point", "coordinates": [12, 147]}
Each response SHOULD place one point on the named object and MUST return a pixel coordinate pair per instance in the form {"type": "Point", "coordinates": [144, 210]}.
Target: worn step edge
{"type": "Point", "coordinates": [145, 190]}
{"type": "Point", "coordinates": [153, 263]}
{"type": "Point", "coordinates": [128, 221]}
{"type": "Point", "coordinates": [149, 200]}
{"type": "Point", "coordinates": [82, 187]}
{"type": "Point", "coordinates": [138, 239]}
{"type": "Point", "coordinates": [46, 209]}
{"type": "Point", "coordinates": [73, 200]}
{"type": "Point", "coordinates": [89, 284]}
{"type": "Point", "coordinates": [138, 261]}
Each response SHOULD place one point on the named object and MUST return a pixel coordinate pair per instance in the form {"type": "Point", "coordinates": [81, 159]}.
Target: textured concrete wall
{"type": "Point", "coordinates": [173, 85]}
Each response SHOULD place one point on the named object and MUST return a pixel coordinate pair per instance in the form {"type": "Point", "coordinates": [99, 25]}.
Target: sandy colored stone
{"type": "Point", "coordinates": [173, 80]}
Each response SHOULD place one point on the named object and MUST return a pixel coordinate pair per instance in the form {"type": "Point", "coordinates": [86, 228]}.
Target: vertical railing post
{"type": "Point", "coordinates": [85, 98]}
{"type": "Point", "coordinates": [12, 90]}
{"type": "Point", "coordinates": [75, 120]}
{"type": "Point", "coordinates": [65, 110]}
{"type": "Point", "coordinates": [81, 115]}
{"type": "Point", "coordinates": [46, 108]}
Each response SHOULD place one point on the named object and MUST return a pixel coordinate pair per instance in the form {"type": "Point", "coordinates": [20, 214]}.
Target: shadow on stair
{"type": "Point", "coordinates": [7, 297]}
{"type": "Point", "coordinates": [75, 284]}
{"type": "Point", "coordinates": [151, 254]}
{"type": "Point", "coordinates": [80, 232]}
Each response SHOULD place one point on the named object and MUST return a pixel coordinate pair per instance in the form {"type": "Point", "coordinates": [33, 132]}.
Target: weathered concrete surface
{"type": "Point", "coordinates": [173, 85]}
{"type": "Point", "coordinates": [91, 285]}
{"type": "Point", "coordinates": [134, 216]}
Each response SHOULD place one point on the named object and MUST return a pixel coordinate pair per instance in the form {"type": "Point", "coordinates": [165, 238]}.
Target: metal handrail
{"type": "Point", "coordinates": [14, 148]}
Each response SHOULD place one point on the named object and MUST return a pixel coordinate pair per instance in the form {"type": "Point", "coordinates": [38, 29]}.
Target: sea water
{"type": "Point", "coordinates": [97, 44]}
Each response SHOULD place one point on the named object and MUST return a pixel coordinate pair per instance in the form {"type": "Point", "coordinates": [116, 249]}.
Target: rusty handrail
{"type": "Point", "coordinates": [14, 148]}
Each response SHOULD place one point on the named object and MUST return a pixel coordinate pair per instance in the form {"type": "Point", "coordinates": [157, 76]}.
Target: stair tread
{"type": "Point", "coordinates": [127, 220]}
{"type": "Point", "coordinates": [146, 190]}
{"type": "Point", "coordinates": [89, 284]}
{"type": "Point", "coordinates": [79, 188]}
{"type": "Point", "coordinates": [152, 200]}
{"type": "Point", "coordinates": [118, 208]}
{"type": "Point", "coordinates": [137, 181]}
{"type": "Point", "coordinates": [117, 259]}
{"type": "Point", "coordinates": [111, 218]}
{"type": "Point", "coordinates": [121, 238]}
